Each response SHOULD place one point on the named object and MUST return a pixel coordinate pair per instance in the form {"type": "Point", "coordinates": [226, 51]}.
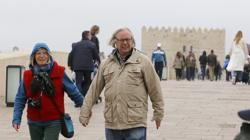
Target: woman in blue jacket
{"type": "Point", "coordinates": [45, 80]}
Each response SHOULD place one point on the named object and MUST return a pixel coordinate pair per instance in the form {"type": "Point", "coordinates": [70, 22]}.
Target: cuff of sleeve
{"type": "Point", "coordinates": [16, 122]}
{"type": "Point", "coordinates": [158, 118]}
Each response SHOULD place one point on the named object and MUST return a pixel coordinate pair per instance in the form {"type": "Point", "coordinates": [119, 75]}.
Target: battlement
{"type": "Point", "coordinates": [181, 30]}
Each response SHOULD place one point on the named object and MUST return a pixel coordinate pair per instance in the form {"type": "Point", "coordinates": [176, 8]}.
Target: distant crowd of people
{"type": "Point", "coordinates": [186, 67]}
{"type": "Point", "coordinates": [236, 69]}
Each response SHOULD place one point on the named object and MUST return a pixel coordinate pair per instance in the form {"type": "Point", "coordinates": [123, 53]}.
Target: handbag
{"type": "Point", "coordinates": [67, 128]}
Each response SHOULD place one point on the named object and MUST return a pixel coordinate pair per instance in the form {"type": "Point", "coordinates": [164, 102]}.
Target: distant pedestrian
{"type": "Point", "coordinates": [184, 55]}
{"type": "Point", "coordinates": [190, 66]}
{"type": "Point", "coordinates": [94, 31]}
{"type": "Point", "coordinates": [218, 71]}
{"type": "Point", "coordinates": [211, 61]}
{"type": "Point", "coordinates": [159, 60]}
{"type": "Point", "coordinates": [228, 73]}
{"type": "Point", "coordinates": [178, 65]}
{"type": "Point", "coordinates": [82, 58]}
{"type": "Point", "coordinates": [203, 64]}
{"type": "Point", "coordinates": [238, 57]}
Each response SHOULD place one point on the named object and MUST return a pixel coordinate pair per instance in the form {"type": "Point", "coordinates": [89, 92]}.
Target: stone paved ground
{"type": "Point", "coordinates": [199, 110]}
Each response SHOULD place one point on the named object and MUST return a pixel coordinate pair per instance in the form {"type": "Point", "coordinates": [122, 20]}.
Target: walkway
{"type": "Point", "coordinates": [199, 110]}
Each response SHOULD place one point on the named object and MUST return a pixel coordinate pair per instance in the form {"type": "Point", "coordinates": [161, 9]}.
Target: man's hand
{"type": "Point", "coordinates": [157, 123]}
{"type": "Point", "coordinates": [85, 121]}
{"type": "Point", "coordinates": [85, 124]}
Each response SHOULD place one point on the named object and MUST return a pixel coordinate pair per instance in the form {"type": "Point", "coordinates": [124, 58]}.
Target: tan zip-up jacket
{"type": "Point", "coordinates": [126, 90]}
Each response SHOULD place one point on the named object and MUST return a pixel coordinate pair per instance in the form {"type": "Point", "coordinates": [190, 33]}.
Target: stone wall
{"type": "Point", "coordinates": [173, 40]}
{"type": "Point", "coordinates": [23, 60]}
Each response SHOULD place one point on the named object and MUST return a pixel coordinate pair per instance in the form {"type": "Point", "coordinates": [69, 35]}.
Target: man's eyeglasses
{"type": "Point", "coordinates": [125, 39]}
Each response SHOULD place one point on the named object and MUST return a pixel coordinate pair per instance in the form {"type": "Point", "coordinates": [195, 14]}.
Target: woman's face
{"type": "Point", "coordinates": [42, 57]}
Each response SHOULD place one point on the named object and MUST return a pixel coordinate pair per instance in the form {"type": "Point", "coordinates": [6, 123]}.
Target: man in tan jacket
{"type": "Point", "coordinates": [129, 79]}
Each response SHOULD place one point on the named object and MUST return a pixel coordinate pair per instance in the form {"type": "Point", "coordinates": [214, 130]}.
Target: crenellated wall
{"type": "Point", "coordinates": [173, 40]}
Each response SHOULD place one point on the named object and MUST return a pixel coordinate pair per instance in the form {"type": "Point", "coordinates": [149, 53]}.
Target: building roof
{"type": "Point", "coordinates": [22, 53]}
{"type": "Point", "coordinates": [13, 54]}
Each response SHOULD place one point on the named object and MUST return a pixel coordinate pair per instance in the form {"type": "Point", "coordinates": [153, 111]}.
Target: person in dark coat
{"type": "Point", "coordinates": [218, 71]}
{"type": "Point", "coordinates": [211, 61]}
{"type": "Point", "coordinates": [203, 64]}
{"type": "Point", "coordinates": [245, 126]}
{"type": "Point", "coordinates": [81, 60]}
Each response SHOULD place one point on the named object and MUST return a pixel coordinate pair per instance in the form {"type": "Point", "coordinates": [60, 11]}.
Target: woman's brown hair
{"type": "Point", "coordinates": [238, 37]}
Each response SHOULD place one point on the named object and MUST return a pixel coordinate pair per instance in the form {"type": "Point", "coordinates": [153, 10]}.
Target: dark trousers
{"type": "Point", "coordinates": [159, 68]}
{"type": "Point", "coordinates": [190, 73]}
{"type": "Point", "coordinates": [228, 75]}
{"type": "Point", "coordinates": [217, 77]}
{"type": "Point", "coordinates": [203, 71]}
{"type": "Point", "coordinates": [50, 132]}
{"type": "Point", "coordinates": [178, 73]}
{"type": "Point", "coordinates": [183, 73]}
{"type": "Point", "coordinates": [83, 80]}
{"type": "Point", "coordinates": [237, 75]}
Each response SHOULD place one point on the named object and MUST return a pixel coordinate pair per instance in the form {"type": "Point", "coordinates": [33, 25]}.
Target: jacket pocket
{"type": "Point", "coordinates": [134, 76]}
{"type": "Point", "coordinates": [135, 111]}
{"type": "Point", "coordinates": [108, 113]}
{"type": "Point", "coordinates": [108, 75]}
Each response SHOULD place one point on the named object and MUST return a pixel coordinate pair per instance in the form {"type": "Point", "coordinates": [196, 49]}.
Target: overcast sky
{"type": "Point", "coordinates": [60, 22]}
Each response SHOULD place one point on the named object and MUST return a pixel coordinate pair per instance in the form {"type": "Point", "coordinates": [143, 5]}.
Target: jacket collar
{"type": "Point", "coordinates": [134, 58]}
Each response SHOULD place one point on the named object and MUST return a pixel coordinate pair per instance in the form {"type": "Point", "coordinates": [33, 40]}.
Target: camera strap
{"type": "Point", "coordinates": [55, 105]}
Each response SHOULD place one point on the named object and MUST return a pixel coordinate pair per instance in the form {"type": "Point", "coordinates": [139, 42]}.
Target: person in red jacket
{"type": "Point", "coordinates": [44, 81]}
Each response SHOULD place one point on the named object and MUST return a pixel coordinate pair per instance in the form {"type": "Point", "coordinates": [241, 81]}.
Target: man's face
{"type": "Point", "coordinates": [124, 42]}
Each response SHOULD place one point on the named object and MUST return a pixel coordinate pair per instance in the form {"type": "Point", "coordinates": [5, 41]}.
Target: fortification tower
{"type": "Point", "coordinates": [183, 40]}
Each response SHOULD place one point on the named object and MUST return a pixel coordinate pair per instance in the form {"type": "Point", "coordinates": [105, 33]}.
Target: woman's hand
{"type": "Point", "coordinates": [16, 127]}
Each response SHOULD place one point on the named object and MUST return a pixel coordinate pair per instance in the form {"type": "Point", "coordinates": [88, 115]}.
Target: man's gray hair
{"type": "Point", "coordinates": [113, 39]}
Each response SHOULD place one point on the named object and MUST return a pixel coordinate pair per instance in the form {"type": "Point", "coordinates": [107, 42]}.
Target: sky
{"type": "Point", "coordinates": [59, 23]}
